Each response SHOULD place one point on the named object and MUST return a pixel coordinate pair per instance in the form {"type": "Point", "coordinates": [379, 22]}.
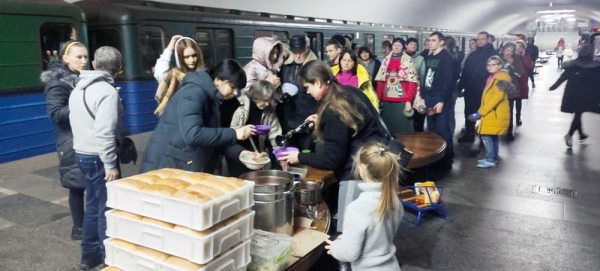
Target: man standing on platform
{"type": "Point", "coordinates": [473, 80]}
{"type": "Point", "coordinates": [437, 92]}
{"type": "Point", "coordinates": [534, 52]}
{"type": "Point", "coordinates": [95, 115]}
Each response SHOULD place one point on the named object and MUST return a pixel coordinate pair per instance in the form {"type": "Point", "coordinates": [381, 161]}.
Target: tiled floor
{"type": "Point", "coordinates": [496, 222]}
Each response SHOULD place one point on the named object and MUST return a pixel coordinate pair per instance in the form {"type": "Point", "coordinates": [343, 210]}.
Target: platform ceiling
{"type": "Point", "coordinates": [496, 16]}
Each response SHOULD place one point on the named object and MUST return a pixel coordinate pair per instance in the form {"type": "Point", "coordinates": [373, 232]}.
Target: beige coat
{"type": "Point", "coordinates": [241, 115]}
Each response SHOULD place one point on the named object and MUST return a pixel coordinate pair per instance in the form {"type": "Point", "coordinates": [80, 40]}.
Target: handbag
{"type": "Point", "coordinates": [126, 151]}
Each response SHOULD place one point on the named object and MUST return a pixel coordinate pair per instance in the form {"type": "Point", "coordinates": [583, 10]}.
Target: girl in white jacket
{"type": "Point", "coordinates": [188, 58]}
{"type": "Point", "coordinates": [371, 221]}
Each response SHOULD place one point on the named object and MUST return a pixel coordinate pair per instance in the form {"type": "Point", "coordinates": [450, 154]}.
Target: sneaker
{"type": "Point", "coordinates": [533, 85]}
{"type": "Point", "coordinates": [76, 233]}
{"type": "Point", "coordinates": [569, 140]}
{"type": "Point", "coordinates": [486, 164]}
{"type": "Point", "coordinates": [583, 137]}
{"type": "Point", "coordinates": [485, 160]}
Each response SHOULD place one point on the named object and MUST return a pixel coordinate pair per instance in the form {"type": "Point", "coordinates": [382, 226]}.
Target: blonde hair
{"type": "Point", "coordinates": [498, 60]}
{"type": "Point", "coordinates": [374, 162]}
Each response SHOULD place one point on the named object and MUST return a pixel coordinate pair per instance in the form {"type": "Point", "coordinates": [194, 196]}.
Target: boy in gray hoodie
{"type": "Point", "coordinates": [95, 113]}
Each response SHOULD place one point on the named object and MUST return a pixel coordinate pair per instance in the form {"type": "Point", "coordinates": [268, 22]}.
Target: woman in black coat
{"type": "Point", "coordinates": [344, 122]}
{"type": "Point", "coordinates": [581, 93]}
{"type": "Point", "coordinates": [60, 78]}
{"type": "Point", "coordinates": [189, 135]}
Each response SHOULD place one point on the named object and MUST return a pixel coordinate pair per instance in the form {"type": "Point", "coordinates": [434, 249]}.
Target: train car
{"type": "Point", "coordinates": [29, 28]}
{"type": "Point", "coordinates": [141, 29]}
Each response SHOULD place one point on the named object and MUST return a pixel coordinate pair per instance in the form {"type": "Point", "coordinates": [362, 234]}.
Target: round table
{"type": "Point", "coordinates": [427, 148]}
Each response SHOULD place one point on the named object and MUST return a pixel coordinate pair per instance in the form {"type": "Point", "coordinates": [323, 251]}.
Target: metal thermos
{"type": "Point", "coordinates": [273, 200]}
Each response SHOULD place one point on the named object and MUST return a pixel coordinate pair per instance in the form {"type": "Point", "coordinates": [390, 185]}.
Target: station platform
{"type": "Point", "coordinates": [496, 221]}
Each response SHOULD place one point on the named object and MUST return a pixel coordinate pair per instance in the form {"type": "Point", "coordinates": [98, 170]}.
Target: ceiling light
{"type": "Point", "coordinates": [571, 20]}
{"type": "Point", "coordinates": [555, 11]}
{"type": "Point", "coordinates": [549, 20]}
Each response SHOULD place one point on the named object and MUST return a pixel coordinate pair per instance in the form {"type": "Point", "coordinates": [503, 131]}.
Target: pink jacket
{"type": "Point", "coordinates": [260, 68]}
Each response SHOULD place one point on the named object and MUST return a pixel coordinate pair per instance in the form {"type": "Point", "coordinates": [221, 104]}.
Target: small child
{"type": "Point", "coordinates": [371, 221]}
{"type": "Point", "coordinates": [494, 111]}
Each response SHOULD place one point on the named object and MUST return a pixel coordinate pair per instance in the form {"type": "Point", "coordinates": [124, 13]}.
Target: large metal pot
{"type": "Point", "coordinates": [273, 200]}
{"type": "Point", "coordinates": [308, 193]}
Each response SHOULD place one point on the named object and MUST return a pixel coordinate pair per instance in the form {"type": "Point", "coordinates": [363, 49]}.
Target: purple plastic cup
{"type": "Point", "coordinates": [262, 129]}
{"type": "Point", "coordinates": [279, 152]}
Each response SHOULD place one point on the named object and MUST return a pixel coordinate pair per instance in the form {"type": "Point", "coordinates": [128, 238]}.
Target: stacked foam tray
{"type": "Point", "coordinates": [169, 219]}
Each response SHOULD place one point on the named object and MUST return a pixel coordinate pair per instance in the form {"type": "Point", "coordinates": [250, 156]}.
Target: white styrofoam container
{"type": "Point", "coordinates": [190, 247]}
{"type": "Point", "coordinates": [197, 216]}
{"type": "Point", "coordinates": [234, 259]}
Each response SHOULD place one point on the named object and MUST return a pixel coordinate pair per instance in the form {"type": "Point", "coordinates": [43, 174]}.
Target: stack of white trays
{"type": "Point", "coordinates": [150, 231]}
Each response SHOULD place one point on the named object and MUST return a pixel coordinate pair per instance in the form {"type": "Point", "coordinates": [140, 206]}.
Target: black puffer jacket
{"type": "Point", "coordinates": [60, 81]}
{"type": "Point", "coordinates": [189, 135]}
{"type": "Point", "coordinates": [581, 93]}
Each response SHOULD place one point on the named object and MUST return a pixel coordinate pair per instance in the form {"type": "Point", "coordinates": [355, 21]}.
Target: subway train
{"type": "Point", "coordinates": [141, 30]}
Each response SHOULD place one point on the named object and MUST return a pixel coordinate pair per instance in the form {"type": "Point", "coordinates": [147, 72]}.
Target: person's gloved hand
{"type": "Point", "coordinates": [474, 117]}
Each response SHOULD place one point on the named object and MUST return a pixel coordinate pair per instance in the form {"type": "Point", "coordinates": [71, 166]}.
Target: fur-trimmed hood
{"type": "Point", "coordinates": [60, 73]}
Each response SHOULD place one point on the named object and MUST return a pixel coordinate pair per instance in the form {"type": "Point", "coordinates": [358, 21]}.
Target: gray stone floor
{"type": "Point", "coordinates": [496, 222]}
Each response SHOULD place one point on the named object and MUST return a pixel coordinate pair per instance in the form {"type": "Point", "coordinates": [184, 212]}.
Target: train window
{"type": "Point", "coordinates": [369, 41]}
{"type": "Point", "coordinates": [225, 43]}
{"type": "Point", "coordinates": [316, 43]}
{"type": "Point", "coordinates": [202, 37]}
{"type": "Point", "coordinates": [151, 46]}
{"type": "Point", "coordinates": [387, 37]}
{"type": "Point", "coordinates": [104, 37]}
{"type": "Point", "coordinates": [349, 36]}
{"type": "Point", "coordinates": [52, 38]}
{"type": "Point", "coordinates": [283, 36]}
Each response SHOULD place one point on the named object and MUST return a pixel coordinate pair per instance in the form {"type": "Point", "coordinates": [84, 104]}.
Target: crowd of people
{"type": "Point", "coordinates": [342, 115]}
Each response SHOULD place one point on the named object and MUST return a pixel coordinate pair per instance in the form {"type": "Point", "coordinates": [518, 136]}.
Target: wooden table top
{"type": "Point", "coordinates": [427, 148]}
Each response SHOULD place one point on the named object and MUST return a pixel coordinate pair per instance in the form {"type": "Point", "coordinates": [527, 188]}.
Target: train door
{"type": "Point", "coordinates": [316, 43]}
{"type": "Point", "coordinates": [369, 41]}
{"type": "Point", "coordinates": [215, 44]}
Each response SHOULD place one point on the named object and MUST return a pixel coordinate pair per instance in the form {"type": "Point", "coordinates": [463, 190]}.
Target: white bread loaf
{"type": "Point", "coordinates": [149, 179]}
{"type": "Point", "coordinates": [123, 244]}
{"type": "Point", "coordinates": [191, 196]}
{"type": "Point", "coordinates": [131, 183]}
{"type": "Point", "coordinates": [216, 183]}
{"type": "Point", "coordinates": [205, 190]}
{"type": "Point", "coordinates": [174, 170]}
{"type": "Point", "coordinates": [157, 255]}
{"type": "Point", "coordinates": [161, 189]}
{"type": "Point", "coordinates": [158, 222]}
{"type": "Point", "coordinates": [194, 177]}
{"type": "Point", "coordinates": [174, 182]}
{"type": "Point", "coordinates": [183, 264]}
{"type": "Point", "coordinates": [127, 214]}
{"type": "Point", "coordinates": [235, 182]}
{"type": "Point", "coordinates": [161, 173]}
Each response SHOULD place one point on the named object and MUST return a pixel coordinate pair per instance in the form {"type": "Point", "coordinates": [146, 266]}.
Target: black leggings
{"type": "Point", "coordinates": [518, 103]}
{"type": "Point", "coordinates": [76, 203]}
{"type": "Point", "coordinates": [531, 74]}
{"type": "Point", "coordinates": [576, 124]}
{"type": "Point", "coordinates": [560, 60]}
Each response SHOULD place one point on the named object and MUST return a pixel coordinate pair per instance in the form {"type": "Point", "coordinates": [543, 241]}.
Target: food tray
{"type": "Point", "coordinates": [235, 259]}
{"type": "Point", "coordinates": [197, 216]}
{"type": "Point", "coordinates": [197, 249]}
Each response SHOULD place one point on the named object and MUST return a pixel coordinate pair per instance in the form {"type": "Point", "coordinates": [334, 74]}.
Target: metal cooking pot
{"type": "Point", "coordinates": [273, 200]}
{"type": "Point", "coordinates": [308, 193]}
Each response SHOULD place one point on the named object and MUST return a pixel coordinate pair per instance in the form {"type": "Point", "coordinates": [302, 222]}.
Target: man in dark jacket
{"type": "Point", "coordinates": [437, 92]}
{"type": "Point", "coordinates": [534, 52]}
{"type": "Point", "coordinates": [473, 80]}
{"type": "Point", "coordinates": [189, 134]}
{"type": "Point", "coordinates": [293, 111]}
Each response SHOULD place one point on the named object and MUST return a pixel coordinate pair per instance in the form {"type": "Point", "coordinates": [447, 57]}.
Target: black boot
{"type": "Point", "coordinates": [467, 138]}
{"type": "Point", "coordinates": [76, 233]}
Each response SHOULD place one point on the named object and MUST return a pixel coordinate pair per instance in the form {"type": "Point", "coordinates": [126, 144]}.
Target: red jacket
{"type": "Point", "coordinates": [409, 88]}
{"type": "Point", "coordinates": [524, 79]}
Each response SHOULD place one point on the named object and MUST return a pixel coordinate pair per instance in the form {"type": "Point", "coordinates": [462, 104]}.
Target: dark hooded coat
{"type": "Point", "coordinates": [59, 82]}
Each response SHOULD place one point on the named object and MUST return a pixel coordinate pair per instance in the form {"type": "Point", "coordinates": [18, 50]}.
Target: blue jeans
{"type": "Point", "coordinates": [94, 220]}
{"type": "Point", "coordinates": [491, 147]}
{"type": "Point", "coordinates": [440, 124]}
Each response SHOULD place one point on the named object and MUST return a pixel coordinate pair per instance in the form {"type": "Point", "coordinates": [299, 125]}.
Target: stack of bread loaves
{"type": "Point", "coordinates": [171, 219]}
